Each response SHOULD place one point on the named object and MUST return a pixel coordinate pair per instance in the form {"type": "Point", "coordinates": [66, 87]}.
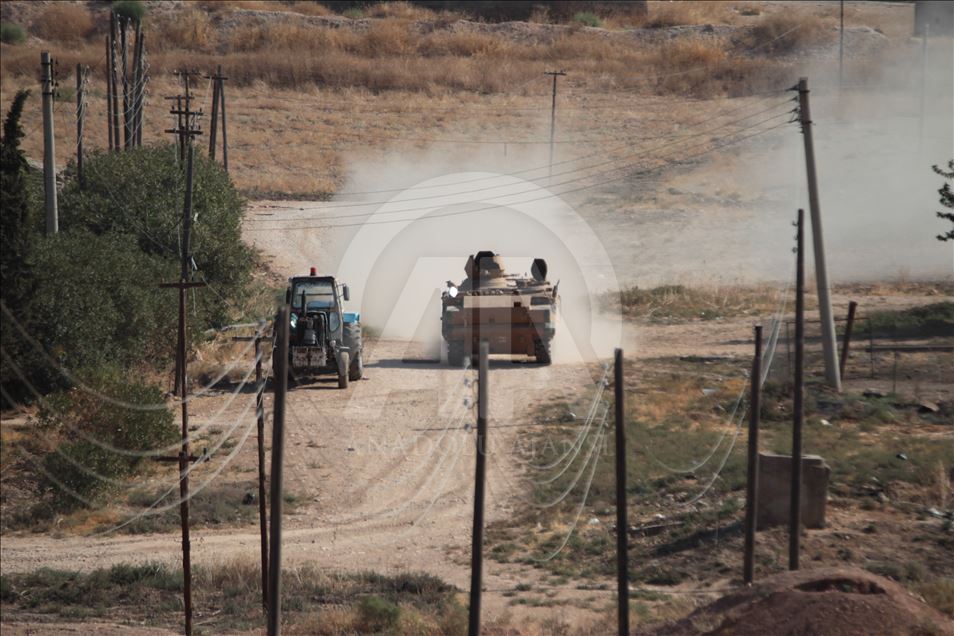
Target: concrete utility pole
{"type": "Point", "coordinates": [278, 453]}
{"type": "Point", "coordinates": [622, 523]}
{"type": "Point", "coordinates": [924, 66]}
{"type": "Point", "coordinates": [841, 45]}
{"type": "Point", "coordinates": [49, 160]}
{"type": "Point", "coordinates": [480, 477]}
{"type": "Point", "coordinates": [798, 401]}
{"type": "Point", "coordinates": [830, 347]}
{"type": "Point", "coordinates": [554, 74]}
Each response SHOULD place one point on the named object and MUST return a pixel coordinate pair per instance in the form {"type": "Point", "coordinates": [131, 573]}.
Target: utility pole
{"type": "Point", "coordinates": [795, 508]}
{"type": "Point", "coordinates": [622, 523]}
{"type": "Point", "coordinates": [109, 98]}
{"type": "Point", "coordinates": [225, 136]}
{"type": "Point", "coordinates": [214, 120]}
{"type": "Point", "coordinates": [554, 74]}
{"type": "Point", "coordinates": [278, 452]}
{"type": "Point", "coordinates": [115, 82]}
{"type": "Point", "coordinates": [139, 87]}
{"type": "Point", "coordinates": [124, 57]}
{"type": "Point", "coordinates": [260, 410]}
{"type": "Point", "coordinates": [480, 477]}
{"type": "Point", "coordinates": [829, 344]}
{"type": "Point", "coordinates": [752, 476]}
{"type": "Point", "coordinates": [924, 66]}
{"type": "Point", "coordinates": [49, 160]}
{"type": "Point", "coordinates": [841, 45]}
{"type": "Point", "coordinates": [81, 77]}
{"type": "Point", "coordinates": [186, 133]}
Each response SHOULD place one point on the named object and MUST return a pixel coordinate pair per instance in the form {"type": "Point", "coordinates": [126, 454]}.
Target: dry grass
{"type": "Point", "coordinates": [803, 31]}
{"type": "Point", "coordinates": [395, 53]}
{"type": "Point", "coordinates": [686, 12]}
{"type": "Point", "coordinates": [190, 29]}
{"type": "Point", "coordinates": [63, 23]}
{"type": "Point", "coordinates": [306, 7]}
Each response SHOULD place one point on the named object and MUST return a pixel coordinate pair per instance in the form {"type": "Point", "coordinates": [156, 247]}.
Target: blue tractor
{"type": "Point", "coordinates": [323, 338]}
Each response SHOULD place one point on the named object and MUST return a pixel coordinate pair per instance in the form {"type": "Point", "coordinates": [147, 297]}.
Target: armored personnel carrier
{"type": "Point", "coordinates": [516, 315]}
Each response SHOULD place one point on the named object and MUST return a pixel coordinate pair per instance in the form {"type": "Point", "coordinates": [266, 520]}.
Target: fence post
{"type": "Point", "coordinates": [278, 452]}
{"type": "Point", "coordinates": [480, 476]}
{"type": "Point", "coordinates": [795, 509]}
{"type": "Point", "coordinates": [849, 326]}
{"type": "Point", "coordinates": [622, 524]}
{"type": "Point", "coordinates": [752, 476]}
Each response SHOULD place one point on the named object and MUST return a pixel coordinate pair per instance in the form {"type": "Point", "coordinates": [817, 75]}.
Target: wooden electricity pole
{"type": "Point", "coordinates": [49, 146]}
{"type": "Point", "coordinates": [829, 344]}
{"type": "Point", "coordinates": [752, 476]}
{"type": "Point", "coordinates": [185, 132]}
{"type": "Point", "coordinates": [622, 524]}
{"type": "Point", "coordinates": [795, 502]}
{"type": "Point", "coordinates": [554, 74]}
{"type": "Point", "coordinates": [111, 62]}
{"type": "Point", "coordinates": [81, 77]}
{"type": "Point", "coordinates": [278, 452]}
{"type": "Point", "coordinates": [480, 478]}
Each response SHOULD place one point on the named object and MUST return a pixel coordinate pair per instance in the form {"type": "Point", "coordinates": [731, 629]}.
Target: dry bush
{"type": "Point", "coordinates": [387, 37]}
{"type": "Point", "coordinates": [63, 23]}
{"type": "Point", "coordinates": [189, 29]}
{"type": "Point", "coordinates": [661, 15]}
{"type": "Point", "coordinates": [702, 68]}
{"type": "Point", "coordinates": [399, 10]}
{"type": "Point", "coordinates": [461, 44]}
{"type": "Point", "coordinates": [784, 32]}
{"type": "Point", "coordinates": [303, 7]}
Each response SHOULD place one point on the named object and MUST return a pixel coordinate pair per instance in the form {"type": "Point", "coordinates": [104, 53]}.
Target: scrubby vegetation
{"type": "Point", "coordinates": [227, 597]}
{"type": "Point", "coordinates": [687, 513]}
{"type": "Point", "coordinates": [12, 33]}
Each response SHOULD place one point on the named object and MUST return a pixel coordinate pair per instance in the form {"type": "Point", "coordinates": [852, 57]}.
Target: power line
{"type": "Point", "coordinates": [532, 200]}
{"type": "Point", "coordinates": [574, 160]}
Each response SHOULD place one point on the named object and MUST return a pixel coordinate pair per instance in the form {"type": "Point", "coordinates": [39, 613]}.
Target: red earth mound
{"type": "Point", "coordinates": [826, 601]}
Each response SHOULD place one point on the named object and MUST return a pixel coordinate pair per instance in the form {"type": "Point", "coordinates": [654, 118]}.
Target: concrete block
{"type": "Point", "coordinates": [775, 476]}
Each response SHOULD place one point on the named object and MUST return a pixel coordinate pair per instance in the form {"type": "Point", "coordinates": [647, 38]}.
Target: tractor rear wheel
{"type": "Point", "coordinates": [356, 368]}
{"type": "Point", "coordinates": [343, 359]}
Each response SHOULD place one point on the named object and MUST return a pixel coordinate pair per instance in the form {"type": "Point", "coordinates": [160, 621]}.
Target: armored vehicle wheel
{"type": "Point", "coordinates": [455, 354]}
{"type": "Point", "coordinates": [356, 368]}
{"type": "Point", "coordinates": [343, 360]}
{"type": "Point", "coordinates": [541, 350]}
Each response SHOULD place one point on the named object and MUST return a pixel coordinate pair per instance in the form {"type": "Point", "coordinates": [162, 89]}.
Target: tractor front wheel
{"type": "Point", "coordinates": [343, 359]}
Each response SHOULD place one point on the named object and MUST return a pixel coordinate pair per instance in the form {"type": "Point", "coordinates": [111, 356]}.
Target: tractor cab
{"type": "Point", "coordinates": [323, 338]}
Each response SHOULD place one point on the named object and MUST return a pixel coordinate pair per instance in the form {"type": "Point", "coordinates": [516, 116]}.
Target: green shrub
{"type": "Point", "coordinates": [140, 193]}
{"type": "Point", "coordinates": [378, 614]}
{"type": "Point", "coordinates": [130, 9]}
{"type": "Point", "coordinates": [77, 415]}
{"type": "Point", "coordinates": [12, 33]}
{"type": "Point", "coordinates": [587, 18]}
{"type": "Point", "coordinates": [98, 303]}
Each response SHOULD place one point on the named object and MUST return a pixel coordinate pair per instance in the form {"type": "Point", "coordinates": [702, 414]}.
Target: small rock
{"type": "Point", "coordinates": [873, 393]}
{"type": "Point", "coordinates": [248, 499]}
{"type": "Point", "coordinates": [825, 423]}
{"type": "Point", "coordinates": [593, 521]}
{"type": "Point", "coordinates": [902, 457]}
{"type": "Point", "coordinates": [928, 407]}
{"type": "Point", "coordinates": [708, 392]}
{"type": "Point", "coordinates": [881, 497]}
